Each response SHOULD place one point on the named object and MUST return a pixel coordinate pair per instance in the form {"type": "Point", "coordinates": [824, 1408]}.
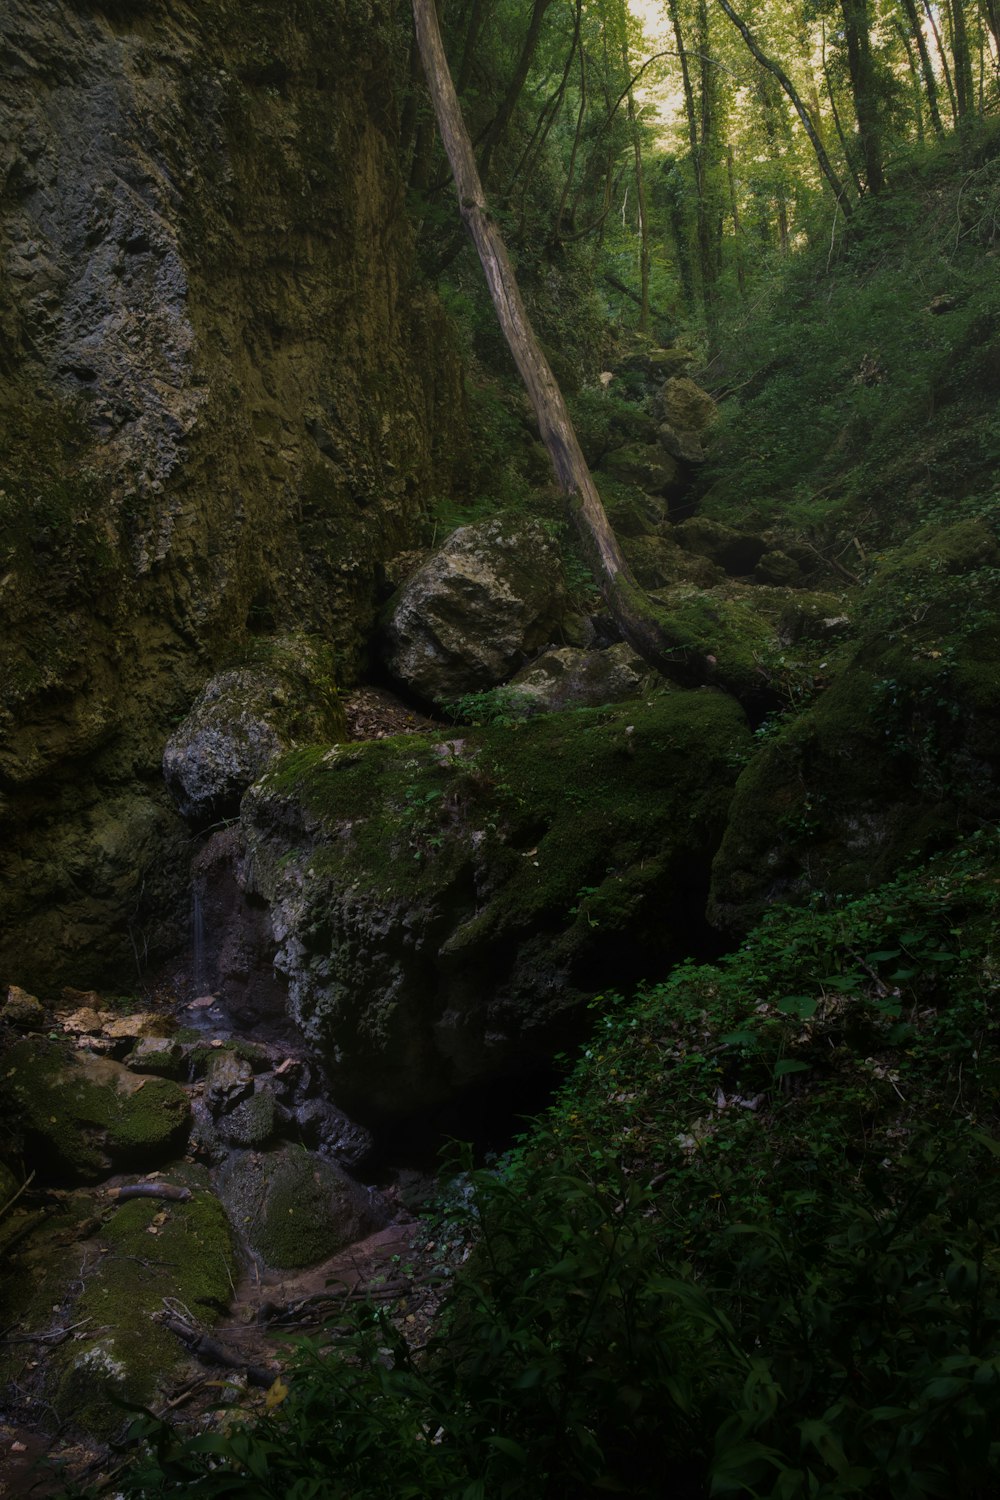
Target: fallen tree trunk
{"type": "Point", "coordinates": [642, 625]}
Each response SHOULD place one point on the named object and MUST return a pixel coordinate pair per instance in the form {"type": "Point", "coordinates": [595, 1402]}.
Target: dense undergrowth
{"type": "Point", "coordinates": [862, 383]}
{"type": "Point", "coordinates": [751, 1250]}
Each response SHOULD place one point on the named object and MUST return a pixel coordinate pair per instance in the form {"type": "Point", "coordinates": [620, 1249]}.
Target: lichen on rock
{"type": "Point", "coordinates": [244, 719]}
{"type": "Point", "coordinates": [476, 610]}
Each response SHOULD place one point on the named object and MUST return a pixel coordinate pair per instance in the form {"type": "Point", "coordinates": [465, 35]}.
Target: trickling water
{"type": "Point", "coordinates": [199, 954]}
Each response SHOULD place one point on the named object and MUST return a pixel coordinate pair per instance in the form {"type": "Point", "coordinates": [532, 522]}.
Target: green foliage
{"type": "Point", "coordinates": [750, 1251]}
{"type": "Point", "coordinates": [886, 334]}
{"type": "Point", "coordinates": [500, 706]}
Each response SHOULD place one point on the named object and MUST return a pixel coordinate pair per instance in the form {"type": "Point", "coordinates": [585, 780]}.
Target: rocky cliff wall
{"type": "Point", "coordinates": [224, 400]}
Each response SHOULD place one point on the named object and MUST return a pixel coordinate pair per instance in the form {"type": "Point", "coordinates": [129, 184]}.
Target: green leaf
{"type": "Point", "coordinates": [803, 1006]}
{"type": "Point", "coordinates": [508, 1446]}
{"type": "Point", "coordinates": [790, 1065]}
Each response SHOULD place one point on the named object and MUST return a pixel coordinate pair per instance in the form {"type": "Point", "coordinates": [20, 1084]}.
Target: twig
{"type": "Point", "coordinates": [11, 1201]}
{"type": "Point", "coordinates": [211, 1352]}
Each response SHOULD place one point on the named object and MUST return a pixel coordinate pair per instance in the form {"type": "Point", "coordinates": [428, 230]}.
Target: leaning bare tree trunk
{"type": "Point", "coordinates": [636, 616]}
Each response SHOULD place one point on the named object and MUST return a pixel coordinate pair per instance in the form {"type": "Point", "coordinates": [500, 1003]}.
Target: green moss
{"type": "Point", "coordinates": [159, 1254]}
{"type": "Point", "coordinates": [732, 631]}
{"type": "Point", "coordinates": [79, 1114]}
{"type": "Point", "coordinates": [293, 1208]}
{"type": "Point", "coordinates": [900, 752]}
{"type": "Point", "coordinates": [592, 789]}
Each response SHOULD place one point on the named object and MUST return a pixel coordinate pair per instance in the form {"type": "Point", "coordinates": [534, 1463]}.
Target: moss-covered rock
{"type": "Point", "coordinates": [245, 718]}
{"type": "Point", "coordinates": [902, 750]}
{"type": "Point", "coordinates": [295, 1209]}
{"type": "Point", "coordinates": [445, 909]}
{"type": "Point", "coordinates": [252, 1122]}
{"type": "Point", "coordinates": [222, 411]}
{"type": "Point", "coordinates": [476, 610]}
{"type": "Point", "coordinates": [157, 1254]}
{"type": "Point", "coordinates": [79, 1114]}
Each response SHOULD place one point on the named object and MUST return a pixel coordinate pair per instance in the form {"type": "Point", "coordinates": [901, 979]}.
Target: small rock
{"type": "Point", "coordinates": [142, 1024]}
{"type": "Point", "coordinates": [23, 1011]}
{"type": "Point", "coordinates": [328, 1130]}
{"type": "Point", "coordinates": [154, 1054]}
{"type": "Point", "coordinates": [228, 1080]}
{"type": "Point", "coordinates": [87, 1021]}
{"type": "Point", "coordinates": [251, 1123]}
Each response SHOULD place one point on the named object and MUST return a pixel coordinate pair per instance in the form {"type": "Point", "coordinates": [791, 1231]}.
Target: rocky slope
{"type": "Point", "coordinates": [223, 402]}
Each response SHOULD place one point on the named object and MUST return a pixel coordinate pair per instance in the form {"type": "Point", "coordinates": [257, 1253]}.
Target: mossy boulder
{"type": "Point", "coordinates": [689, 414]}
{"type": "Point", "coordinates": [476, 610]}
{"type": "Point", "coordinates": [736, 552]}
{"type": "Point", "coordinates": [646, 465]}
{"type": "Point", "coordinates": [245, 718]}
{"type": "Point", "coordinates": [252, 1122]}
{"type": "Point", "coordinates": [903, 749]}
{"type": "Point", "coordinates": [570, 678]}
{"type": "Point", "coordinates": [445, 910]}
{"type": "Point", "coordinates": [156, 1254]}
{"type": "Point", "coordinates": [295, 1209]}
{"type": "Point", "coordinates": [80, 1115]}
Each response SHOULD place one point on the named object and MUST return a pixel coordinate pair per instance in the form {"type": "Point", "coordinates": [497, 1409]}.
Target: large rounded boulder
{"type": "Point", "coordinates": [476, 610]}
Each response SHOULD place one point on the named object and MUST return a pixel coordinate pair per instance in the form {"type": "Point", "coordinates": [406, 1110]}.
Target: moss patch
{"type": "Point", "coordinates": [294, 1208]}
{"type": "Point", "coordinates": [157, 1253]}
{"type": "Point", "coordinates": [445, 901]}
{"type": "Point", "coordinates": [79, 1114]}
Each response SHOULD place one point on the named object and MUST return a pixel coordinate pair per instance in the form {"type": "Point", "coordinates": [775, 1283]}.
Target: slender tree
{"type": "Point", "coordinates": [779, 73]}
{"type": "Point", "coordinates": [639, 621]}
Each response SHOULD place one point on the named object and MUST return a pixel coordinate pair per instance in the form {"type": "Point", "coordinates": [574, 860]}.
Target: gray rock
{"type": "Point", "coordinates": [570, 678]}
{"type": "Point", "coordinates": [296, 1209]}
{"type": "Point", "coordinates": [327, 1130]}
{"type": "Point", "coordinates": [228, 1080]}
{"type": "Point", "coordinates": [426, 906]}
{"type": "Point", "coordinates": [252, 1122]}
{"type": "Point", "coordinates": [476, 610]}
{"type": "Point", "coordinates": [243, 720]}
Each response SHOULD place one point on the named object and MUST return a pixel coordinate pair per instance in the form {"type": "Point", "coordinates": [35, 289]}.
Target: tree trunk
{"type": "Point", "coordinates": [640, 192]}
{"type": "Point", "coordinates": [932, 23]}
{"type": "Point", "coordinates": [637, 618]}
{"type": "Point", "coordinates": [926, 68]}
{"type": "Point", "coordinates": [779, 73]}
{"type": "Point", "coordinates": [861, 66]}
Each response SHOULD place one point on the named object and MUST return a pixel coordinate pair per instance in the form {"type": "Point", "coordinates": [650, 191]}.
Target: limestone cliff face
{"type": "Point", "coordinates": [223, 402]}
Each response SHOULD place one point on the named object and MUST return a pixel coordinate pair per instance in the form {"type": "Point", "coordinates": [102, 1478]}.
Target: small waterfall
{"type": "Point", "coordinates": [199, 954]}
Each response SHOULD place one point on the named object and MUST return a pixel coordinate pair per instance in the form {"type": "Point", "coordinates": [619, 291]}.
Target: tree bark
{"type": "Point", "coordinates": [861, 67]}
{"type": "Point", "coordinates": [637, 618]}
{"type": "Point", "coordinates": [926, 67]}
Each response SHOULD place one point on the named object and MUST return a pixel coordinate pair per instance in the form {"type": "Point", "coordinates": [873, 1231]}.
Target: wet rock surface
{"type": "Point", "coordinates": [120, 1279]}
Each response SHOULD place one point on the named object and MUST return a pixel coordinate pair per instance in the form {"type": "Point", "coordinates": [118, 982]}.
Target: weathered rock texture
{"type": "Point", "coordinates": [443, 910]}
{"type": "Point", "coordinates": [489, 598]}
{"type": "Point", "coordinates": [244, 719]}
{"type": "Point", "coordinates": [221, 402]}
